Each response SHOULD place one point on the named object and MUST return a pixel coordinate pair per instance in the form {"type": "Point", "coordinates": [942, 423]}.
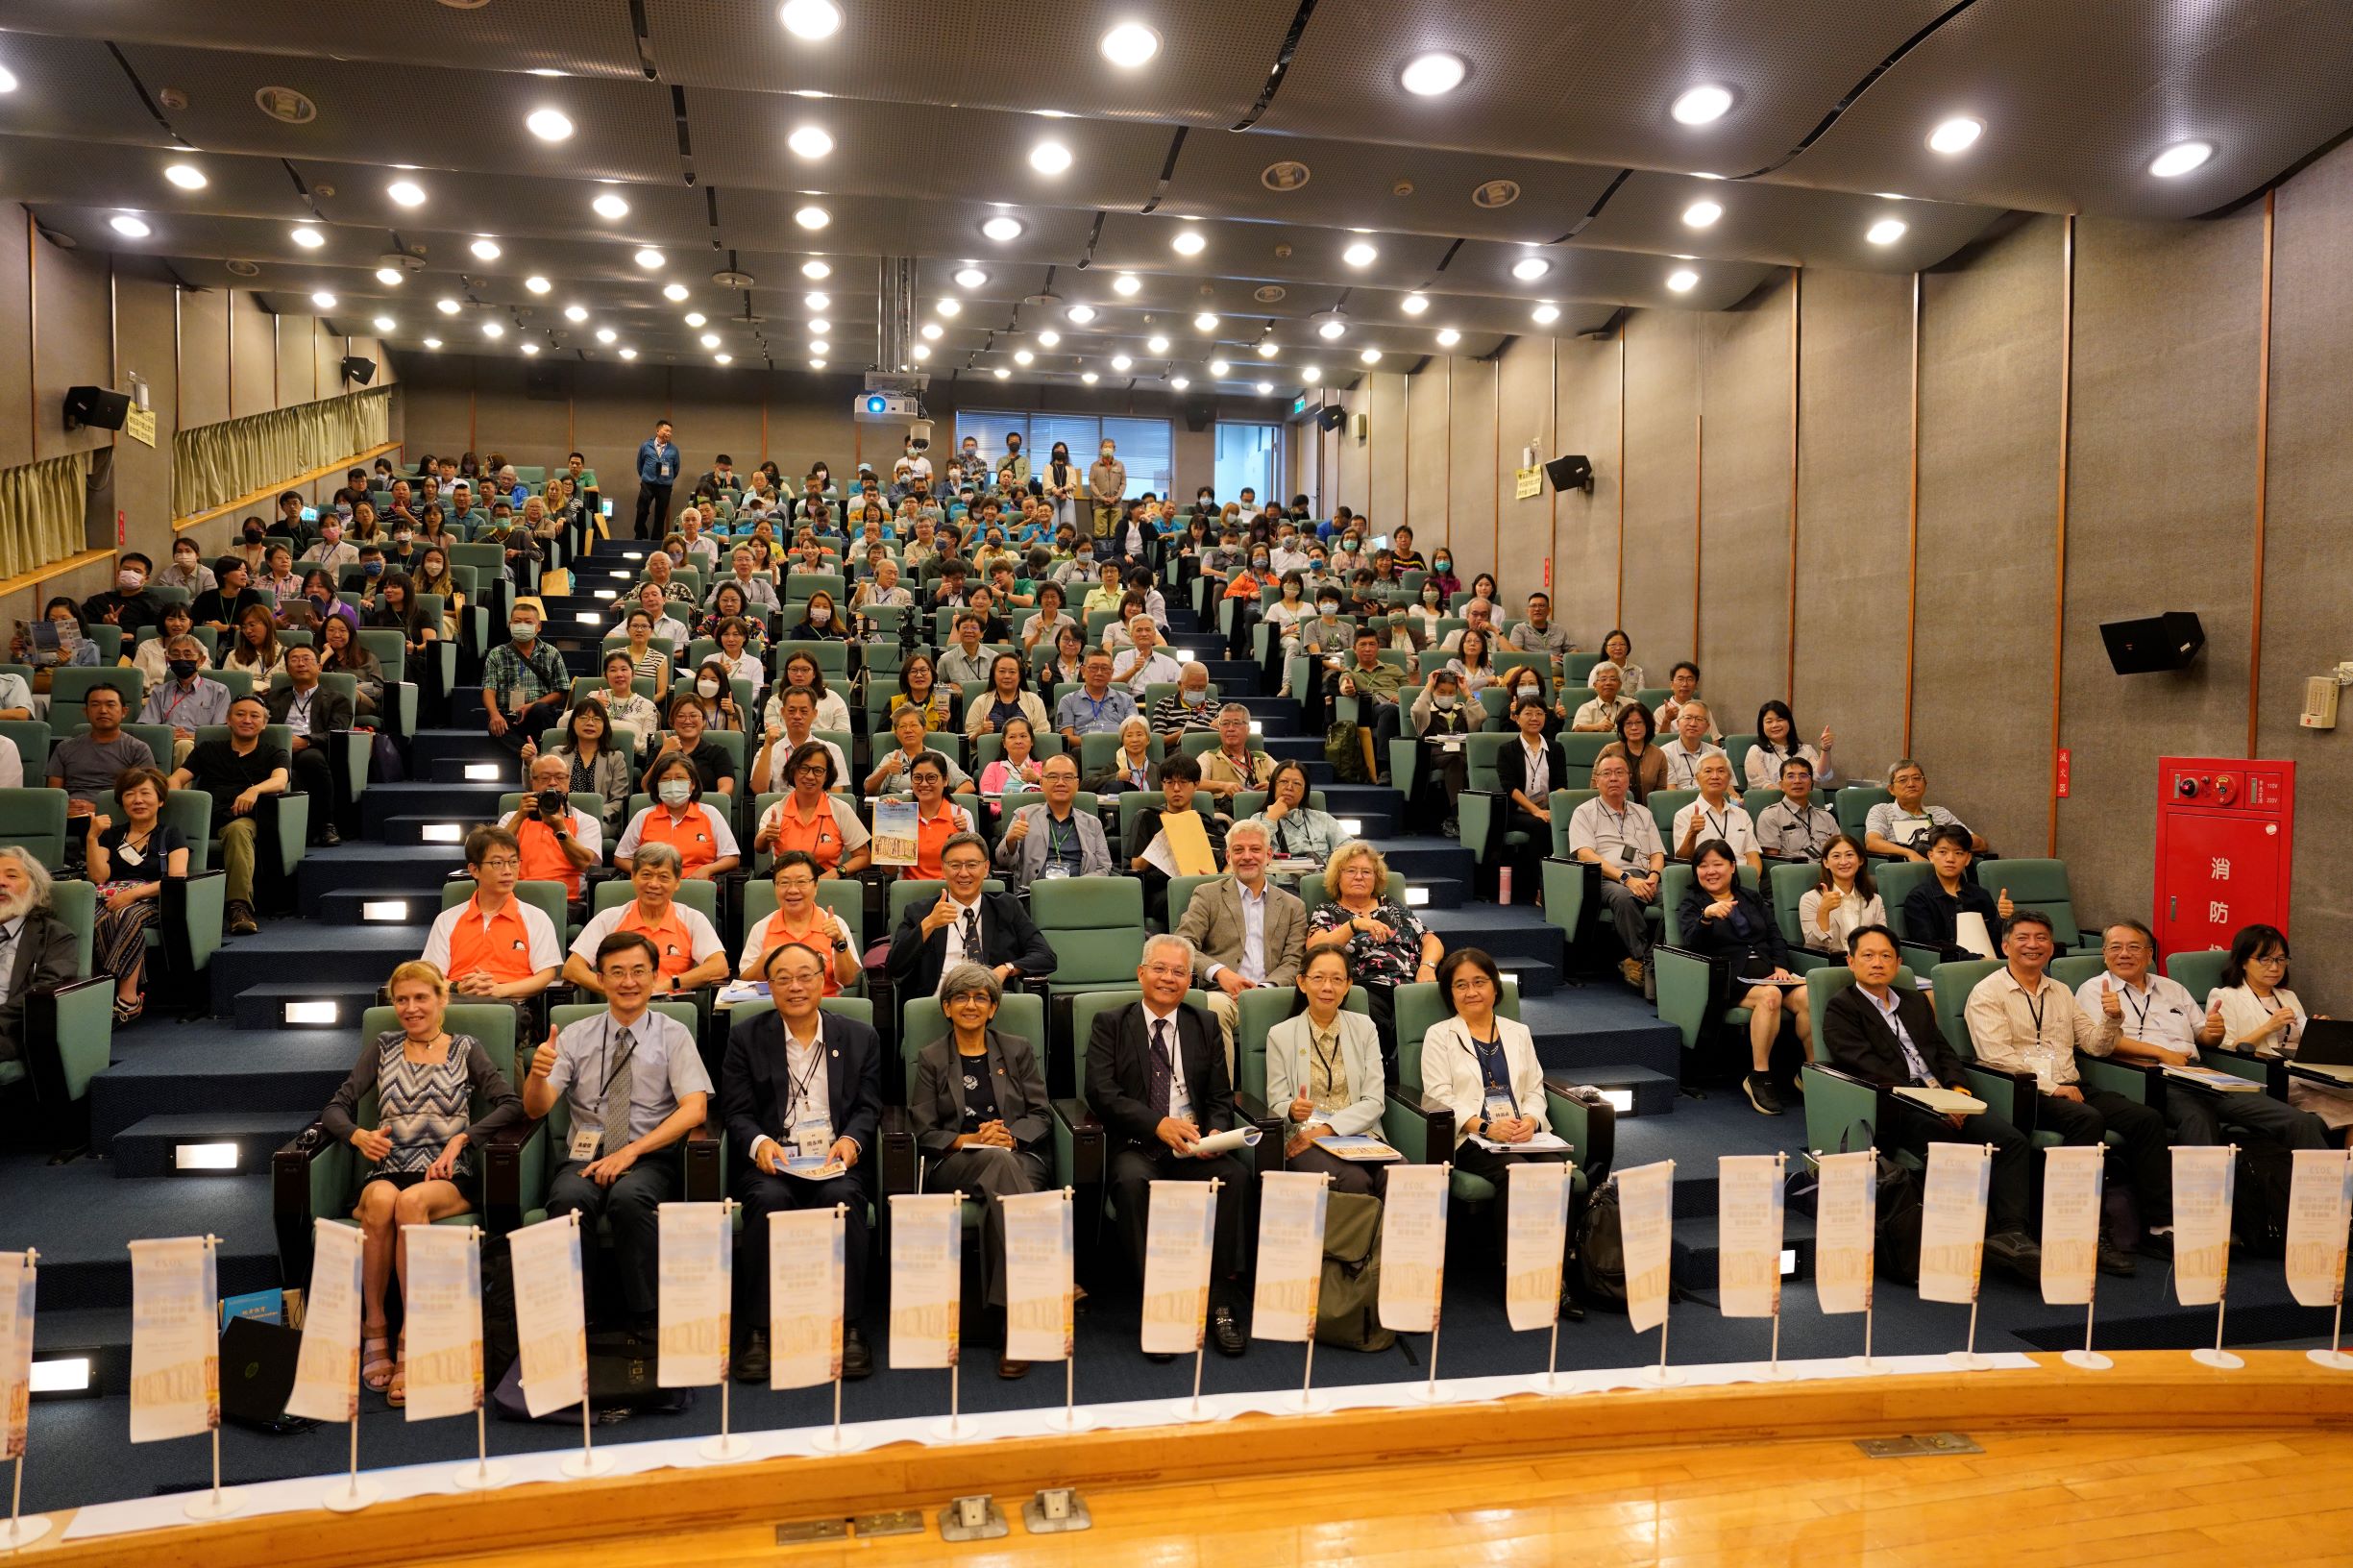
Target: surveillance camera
{"type": "Point", "coordinates": [920, 432]}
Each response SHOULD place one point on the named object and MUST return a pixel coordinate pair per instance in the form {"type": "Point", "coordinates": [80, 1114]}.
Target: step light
{"type": "Point", "coordinates": [621, 577]}
{"type": "Point", "coordinates": [589, 618]}
{"type": "Point", "coordinates": [632, 554]}
{"type": "Point", "coordinates": [61, 1375]}
{"type": "Point", "coordinates": [1418, 897]}
{"type": "Point", "coordinates": [1182, 655]}
{"type": "Point", "coordinates": [444, 833]}
{"type": "Point", "coordinates": [483, 773]}
{"type": "Point", "coordinates": [1620, 1100]}
{"type": "Point", "coordinates": [1352, 827]}
{"type": "Point", "coordinates": [204, 1156]}
{"type": "Point", "coordinates": [1789, 1262]}
{"type": "Point", "coordinates": [385, 912]}
{"type": "Point", "coordinates": [608, 593]}
{"type": "Point", "coordinates": [312, 1015]}
{"type": "Point", "coordinates": [1257, 728]}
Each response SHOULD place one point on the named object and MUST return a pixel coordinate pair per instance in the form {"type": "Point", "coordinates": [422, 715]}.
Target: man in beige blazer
{"type": "Point", "coordinates": [1245, 931]}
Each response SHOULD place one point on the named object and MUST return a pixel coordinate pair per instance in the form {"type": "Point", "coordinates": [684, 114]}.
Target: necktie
{"type": "Point", "coordinates": [971, 935]}
{"type": "Point", "coordinates": [1164, 1068]}
{"type": "Point", "coordinates": [613, 1111]}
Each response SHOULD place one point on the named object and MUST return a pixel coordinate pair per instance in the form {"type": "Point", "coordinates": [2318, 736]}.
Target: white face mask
{"type": "Point", "coordinates": [1329, 607]}
{"type": "Point", "coordinates": [819, 615]}
{"type": "Point", "coordinates": [707, 687]}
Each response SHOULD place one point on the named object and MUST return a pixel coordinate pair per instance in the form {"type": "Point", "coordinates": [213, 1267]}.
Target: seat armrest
{"type": "Point", "coordinates": [1592, 1128]}
{"type": "Point", "coordinates": [1420, 1128]}
{"type": "Point", "coordinates": [1080, 1143]}
{"type": "Point", "coordinates": [514, 1175]}
{"type": "Point", "coordinates": [2271, 1071]}
{"type": "Point", "coordinates": [706, 1154]}
{"type": "Point", "coordinates": [68, 1040]}
{"type": "Point", "coordinates": [901, 1168]}
{"type": "Point", "coordinates": [1273, 1131]}
{"type": "Point", "coordinates": [2142, 1081]}
{"type": "Point", "coordinates": [1479, 816]}
{"type": "Point", "coordinates": [2012, 1096]}
{"type": "Point", "coordinates": [1690, 991]}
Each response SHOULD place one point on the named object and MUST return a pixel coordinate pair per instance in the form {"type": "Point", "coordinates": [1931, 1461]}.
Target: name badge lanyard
{"type": "Point", "coordinates": [2034, 1010]}
{"type": "Point", "coordinates": [2139, 1009]}
{"type": "Point", "coordinates": [1625, 844]}
{"type": "Point", "coordinates": [1494, 1072]}
{"type": "Point", "coordinates": [796, 1089]}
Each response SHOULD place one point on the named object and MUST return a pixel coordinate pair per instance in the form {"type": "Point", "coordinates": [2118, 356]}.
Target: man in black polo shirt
{"type": "Point", "coordinates": [237, 773]}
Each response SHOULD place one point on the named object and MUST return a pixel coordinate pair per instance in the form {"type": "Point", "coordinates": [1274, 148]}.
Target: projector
{"type": "Point", "coordinates": [884, 407]}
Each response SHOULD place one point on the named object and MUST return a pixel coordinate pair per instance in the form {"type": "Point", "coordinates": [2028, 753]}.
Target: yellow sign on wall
{"type": "Point", "coordinates": [1532, 484]}
{"type": "Point", "coordinates": [139, 424]}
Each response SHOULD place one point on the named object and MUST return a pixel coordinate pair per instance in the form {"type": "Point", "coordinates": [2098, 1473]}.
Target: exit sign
{"type": "Point", "coordinates": [1299, 404]}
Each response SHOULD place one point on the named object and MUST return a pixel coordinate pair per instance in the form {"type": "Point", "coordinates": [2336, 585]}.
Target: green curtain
{"type": "Point", "coordinates": [214, 464]}
{"type": "Point", "coordinates": [41, 508]}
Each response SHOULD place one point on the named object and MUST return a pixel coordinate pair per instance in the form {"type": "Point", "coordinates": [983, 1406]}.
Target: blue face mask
{"type": "Point", "coordinates": [370, 568]}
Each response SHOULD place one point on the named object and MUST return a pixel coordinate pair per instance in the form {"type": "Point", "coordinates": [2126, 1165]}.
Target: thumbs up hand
{"type": "Point", "coordinates": [2110, 1003]}
{"type": "Point", "coordinates": [2003, 904]}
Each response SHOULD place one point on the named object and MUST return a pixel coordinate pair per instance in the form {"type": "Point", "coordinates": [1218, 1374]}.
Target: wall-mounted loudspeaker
{"type": "Point", "coordinates": [357, 369]}
{"type": "Point", "coordinates": [1571, 473]}
{"type": "Point", "coordinates": [1359, 426]}
{"type": "Point", "coordinates": [2153, 643]}
{"type": "Point", "coordinates": [96, 408]}
{"type": "Point", "coordinates": [1200, 414]}
{"type": "Point", "coordinates": [1331, 417]}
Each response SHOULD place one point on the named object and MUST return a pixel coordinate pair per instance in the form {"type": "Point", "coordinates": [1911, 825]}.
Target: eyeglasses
{"type": "Point", "coordinates": [504, 863]}
{"type": "Point", "coordinates": [797, 881]}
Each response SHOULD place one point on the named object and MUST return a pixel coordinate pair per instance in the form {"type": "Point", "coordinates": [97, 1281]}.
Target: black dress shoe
{"type": "Point", "coordinates": [1158, 1358]}
{"type": "Point", "coordinates": [329, 838]}
{"type": "Point", "coordinates": [2115, 1259]}
{"type": "Point", "coordinates": [2017, 1254]}
{"type": "Point", "coordinates": [1571, 1308]}
{"type": "Point", "coordinates": [751, 1367]}
{"type": "Point", "coordinates": [857, 1362]}
{"type": "Point", "coordinates": [1008, 1369]}
{"type": "Point", "coordinates": [1225, 1333]}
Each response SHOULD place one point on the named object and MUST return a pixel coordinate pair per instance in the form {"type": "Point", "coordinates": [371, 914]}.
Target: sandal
{"type": "Point", "coordinates": [396, 1391]}
{"type": "Point", "coordinates": [129, 1012]}
{"type": "Point", "coordinates": [376, 1364]}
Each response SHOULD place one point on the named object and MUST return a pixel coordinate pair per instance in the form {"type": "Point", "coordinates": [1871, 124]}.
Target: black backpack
{"type": "Point", "coordinates": [2259, 1205]}
{"type": "Point", "coordinates": [1895, 1247]}
{"type": "Point", "coordinates": [1601, 1253]}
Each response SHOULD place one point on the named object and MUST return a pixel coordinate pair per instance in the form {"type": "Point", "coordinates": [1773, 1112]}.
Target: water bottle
{"type": "Point", "coordinates": [1503, 885]}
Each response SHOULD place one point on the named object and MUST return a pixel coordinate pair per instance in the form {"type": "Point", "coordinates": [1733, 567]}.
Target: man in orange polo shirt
{"type": "Point", "coordinates": [689, 951]}
{"type": "Point", "coordinates": [494, 944]}
{"type": "Point", "coordinates": [557, 847]}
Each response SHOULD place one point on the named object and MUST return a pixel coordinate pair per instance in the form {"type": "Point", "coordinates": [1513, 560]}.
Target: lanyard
{"type": "Point", "coordinates": [1061, 838]}
{"type": "Point", "coordinates": [1330, 1062]}
{"type": "Point", "coordinates": [1492, 1068]}
{"type": "Point", "coordinates": [2139, 1010]}
{"type": "Point", "coordinates": [1626, 843]}
{"type": "Point", "coordinates": [2034, 1010]}
{"type": "Point", "coordinates": [796, 1088]}
{"type": "Point", "coordinates": [1721, 825]}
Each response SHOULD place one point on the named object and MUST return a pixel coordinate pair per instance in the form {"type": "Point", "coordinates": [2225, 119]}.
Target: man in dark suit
{"type": "Point", "coordinates": [798, 1081]}
{"type": "Point", "coordinates": [1530, 769]}
{"type": "Point", "coordinates": [37, 950]}
{"type": "Point", "coordinates": [315, 713]}
{"type": "Point", "coordinates": [966, 923]}
{"type": "Point", "coordinates": [1156, 1078]}
{"type": "Point", "coordinates": [1889, 1038]}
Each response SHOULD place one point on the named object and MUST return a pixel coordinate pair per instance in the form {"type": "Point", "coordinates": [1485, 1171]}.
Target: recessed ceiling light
{"type": "Point", "coordinates": [1120, 361]}
{"type": "Point", "coordinates": [813, 217]}
{"type": "Point", "coordinates": [323, 300]}
{"type": "Point", "coordinates": [1049, 158]}
{"type": "Point", "coordinates": [186, 176]}
{"type": "Point", "coordinates": [491, 329]}
{"type": "Point", "coordinates": [817, 364]}
{"type": "Point", "coordinates": [1330, 328]}
{"type": "Point", "coordinates": [955, 308]}
{"type": "Point", "coordinates": [1701, 105]}
{"type": "Point", "coordinates": [610, 206]}
{"type": "Point", "coordinates": [433, 342]}
{"type": "Point", "coordinates": [605, 334]}
{"type": "Point", "coordinates": [810, 18]}
{"type": "Point", "coordinates": [723, 358]}
{"type": "Point", "coordinates": [628, 354]}
{"type": "Point", "coordinates": [1001, 374]}
{"type": "Point", "coordinates": [933, 330]}
{"type": "Point", "coordinates": [1187, 242]}
{"type": "Point", "coordinates": [1048, 338]}
{"type": "Point", "coordinates": [1022, 357]}
{"type": "Point", "coordinates": [1545, 314]}
{"type": "Point", "coordinates": [530, 348]}
{"type": "Point", "coordinates": [709, 340]}
{"type": "Point", "coordinates": [1425, 76]}
{"type": "Point", "coordinates": [817, 302]}
{"type": "Point", "coordinates": [1130, 45]}
{"type": "Point", "coordinates": [407, 192]}
{"type": "Point", "coordinates": [310, 239]}
{"type": "Point", "coordinates": [1002, 228]}
{"type": "Point", "coordinates": [1088, 376]}
{"type": "Point", "coordinates": [817, 345]}
{"type": "Point", "coordinates": [1311, 376]}
{"type": "Point", "coordinates": [1218, 367]}
{"type": "Point", "coordinates": [537, 285]}
{"type": "Point", "coordinates": [1156, 344]}
{"type": "Point", "coordinates": [1081, 314]}
{"type": "Point", "coordinates": [1699, 214]}
{"type": "Point", "coordinates": [815, 271]}
{"type": "Point", "coordinates": [383, 323]}
{"type": "Point", "coordinates": [128, 226]}
{"type": "Point", "coordinates": [1127, 283]}
{"type": "Point", "coordinates": [1682, 279]}
{"type": "Point", "coordinates": [1372, 356]}
{"type": "Point", "coordinates": [1415, 304]}
{"type": "Point", "coordinates": [1360, 255]}
{"type": "Point", "coordinates": [970, 278]}
{"type": "Point", "coordinates": [695, 318]}
{"type": "Point", "coordinates": [1180, 382]}
{"type": "Point", "coordinates": [576, 312]}
{"type": "Point", "coordinates": [1885, 231]}
{"type": "Point", "coordinates": [549, 124]}
{"type": "Point", "coordinates": [544, 70]}
{"type": "Point", "coordinates": [448, 308]}
{"type": "Point", "coordinates": [1528, 268]}
{"type": "Point", "coordinates": [821, 327]}
{"type": "Point", "coordinates": [391, 276]}
{"type": "Point", "coordinates": [1205, 323]}
{"type": "Point", "coordinates": [1448, 337]}
{"type": "Point", "coordinates": [673, 291]}
{"type": "Point", "coordinates": [810, 142]}
{"type": "Point", "coordinates": [8, 80]}
{"type": "Point", "coordinates": [1269, 349]}
{"type": "Point", "coordinates": [650, 258]}
{"type": "Point", "coordinates": [486, 249]}
{"type": "Point", "coordinates": [2180, 158]}
{"type": "Point", "coordinates": [922, 350]}
{"type": "Point", "coordinates": [1955, 136]}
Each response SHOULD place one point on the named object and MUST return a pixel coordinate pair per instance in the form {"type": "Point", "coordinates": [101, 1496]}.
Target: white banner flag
{"type": "Point", "coordinates": [2202, 1183]}
{"type": "Point", "coordinates": [1183, 1226]}
{"type": "Point", "coordinates": [1535, 1239]}
{"type": "Point", "coordinates": [1952, 1221]}
{"type": "Point", "coordinates": [1414, 1248]}
{"type": "Point", "coordinates": [1041, 1301]}
{"type": "Point", "coordinates": [17, 1286]}
{"type": "Point", "coordinates": [2071, 1182]}
{"type": "Point", "coordinates": [927, 1277]}
{"type": "Point", "coordinates": [1290, 1272]}
{"type": "Point", "coordinates": [327, 1369]}
{"type": "Point", "coordinates": [444, 1302]}
{"type": "Point", "coordinates": [804, 1297]}
{"type": "Point", "coordinates": [695, 1294]}
{"type": "Point", "coordinates": [550, 1314]}
{"type": "Point", "coordinates": [2320, 1208]}
{"type": "Point", "coordinates": [1749, 1211]}
{"type": "Point", "coordinates": [174, 1340]}
{"type": "Point", "coordinates": [1646, 1230]}
{"type": "Point", "coordinates": [1846, 1230]}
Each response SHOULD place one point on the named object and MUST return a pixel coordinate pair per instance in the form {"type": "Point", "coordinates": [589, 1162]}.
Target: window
{"type": "Point", "coordinates": [1246, 459]}
{"type": "Point", "coordinates": [1147, 446]}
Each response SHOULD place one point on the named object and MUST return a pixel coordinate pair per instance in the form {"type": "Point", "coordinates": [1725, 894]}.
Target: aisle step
{"type": "Point", "coordinates": [412, 903]}
{"type": "Point", "coordinates": [1699, 1249]}
{"type": "Point", "coordinates": [365, 866]}
{"type": "Point", "coordinates": [212, 1068]}
{"type": "Point", "coordinates": [1580, 1029]}
{"type": "Point", "coordinates": [462, 803]}
{"type": "Point", "coordinates": [503, 770]}
{"type": "Point", "coordinates": [79, 1228]}
{"type": "Point", "coordinates": [149, 1146]}
{"type": "Point", "coordinates": [273, 1005]}
{"type": "Point", "coordinates": [293, 954]}
{"type": "Point", "coordinates": [430, 746]}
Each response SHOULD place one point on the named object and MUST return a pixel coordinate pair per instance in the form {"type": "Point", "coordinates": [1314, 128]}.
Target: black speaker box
{"type": "Point", "coordinates": [96, 408]}
{"type": "Point", "coordinates": [1570, 473]}
{"type": "Point", "coordinates": [2154, 642]}
{"type": "Point", "coordinates": [356, 368]}
{"type": "Point", "coordinates": [1332, 416]}
{"type": "Point", "coordinates": [257, 1371]}
{"type": "Point", "coordinates": [1200, 414]}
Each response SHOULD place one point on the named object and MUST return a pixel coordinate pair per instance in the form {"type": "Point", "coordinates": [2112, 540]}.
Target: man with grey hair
{"type": "Point", "coordinates": [186, 701]}
{"type": "Point", "coordinates": [1185, 711]}
{"type": "Point", "coordinates": [1157, 1079]}
{"type": "Point", "coordinates": [37, 950]}
{"type": "Point", "coordinates": [1479, 616]}
{"type": "Point", "coordinates": [1236, 765]}
{"type": "Point", "coordinates": [1599, 714]}
{"type": "Point", "coordinates": [1245, 932]}
{"type": "Point", "coordinates": [1053, 839]}
{"type": "Point", "coordinates": [689, 949]}
{"type": "Point", "coordinates": [966, 923]}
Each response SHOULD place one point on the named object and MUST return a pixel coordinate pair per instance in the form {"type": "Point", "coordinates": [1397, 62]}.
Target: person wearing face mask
{"type": "Point", "coordinates": [524, 682]}
{"type": "Point", "coordinates": [1185, 711]}
{"type": "Point", "coordinates": [1441, 717]}
{"type": "Point", "coordinates": [1442, 573]}
{"type": "Point", "coordinates": [690, 720]}
{"type": "Point", "coordinates": [149, 658]}
{"type": "Point", "coordinates": [332, 551]}
{"type": "Point", "coordinates": [1107, 490]}
{"type": "Point", "coordinates": [679, 818]}
{"type": "Point", "coordinates": [127, 604]}
{"type": "Point", "coordinates": [715, 686]}
{"type": "Point", "coordinates": [188, 571]}
{"type": "Point", "coordinates": [1422, 618]}
{"type": "Point", "coordinates": [180, 699]}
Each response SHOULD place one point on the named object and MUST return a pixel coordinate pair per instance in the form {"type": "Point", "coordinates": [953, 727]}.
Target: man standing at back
{"type": "Point", "coordinates": [1107, 488]}
{"type": "Point", "coordinates": [658, 474]}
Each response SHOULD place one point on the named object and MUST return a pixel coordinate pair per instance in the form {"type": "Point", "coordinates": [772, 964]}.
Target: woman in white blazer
{"type": "Point", "coordinates": [1323, 1072]}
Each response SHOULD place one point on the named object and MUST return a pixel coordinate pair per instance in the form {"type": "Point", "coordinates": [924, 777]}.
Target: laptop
{"type": "Point", "coordinates": [2327, 1048]}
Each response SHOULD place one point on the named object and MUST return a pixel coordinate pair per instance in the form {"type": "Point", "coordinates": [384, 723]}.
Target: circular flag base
{"type": "Point", "coordinates": [2336, 1358]}
{"type": "Point", "coordinates": [581, 1466]}
{"type": "Point", "coordinates": [828, 1440]}
{"type": "Point", "coordinates": [218, 1505]}
{"type": "Point", "coordinates": [1661, 1377]}
{"type": "Point", "coordinates": [2221, 1358]}
{"type": "Point", "coordinates": [24, 1532]}
{"type": "Point", "coordinates": [480, 1476]}
{"type": "Point", "coordinates": [1867, 1366]}
{"type": "Point", "coordinates": [1191, 1410]}
{"type": "Point", "coordinates": [722, 1450]}
{"type": "Point", "coordinates": [351, 1496]}
{"type": "Point", "coordinates": [1550, 1382]}
{"type": "Point", "coordinates": [1067, 1419]}
{"type": "Point", "coordinates": [2091, 1360]}
{"type": "Point", "coordinates": [956, 1429]}
{"type": "Point", "coordinates": [1969, 1360]}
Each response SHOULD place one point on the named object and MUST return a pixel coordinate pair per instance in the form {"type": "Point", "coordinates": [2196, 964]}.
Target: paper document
{"type": "Point", "coordinates": [742, 990]}
{"type": "Point", "coordinates": [1945, 1102]}
{"type": "Point", "coordinates": [1364, 1149]}
{"type": "Point", "coordinates": [894, 833]}
{"type": "Point", "coordinates": [1969, 931]}
{"type": "Point", "coordinates": [1532, 1142]}
{"type": "Point", "coordinates": [1189, 843]}
{"type": "Point", "coordinates": [811, 1168]}
{"type": "Point", "coordinates": [2221, 1082]}
{"type": "Point", "coordinates": [1229, 1140]}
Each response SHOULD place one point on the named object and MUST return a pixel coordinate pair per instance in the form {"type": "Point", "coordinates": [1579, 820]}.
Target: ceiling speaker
{"type": "Point", "coordinates": [95, 407]}
{"type": "Point", "coordinates": [356, 368]}
{"type": "Point", "coordinates": [1331, 416]}
{"type": "Point", "coordinates": [1571, 473]}
{"type": "Point", "coordinates": [2158, 642]}
{"type": "Point", "coordinates": [1200, 414]}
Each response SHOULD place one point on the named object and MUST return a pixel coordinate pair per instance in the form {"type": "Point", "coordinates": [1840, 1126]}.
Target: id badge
{"type": "Point", "coordinates": [585, 1141]}
{"type": "Point", "coordinates": [1180, 1105]}
{"type": "Point", "coordinates": [812, 1137]}
{"type": "Point", "coordinates": [129, 855]}
{"type": "Point", "coordinates": [1501, 1109]}
{"type": "Point", "coordinates": [1055, 871]}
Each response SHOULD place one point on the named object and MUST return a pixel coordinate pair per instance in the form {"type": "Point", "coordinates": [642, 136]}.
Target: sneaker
{"type": "Point", "coordinates": [241, 921]}
{"type": "Point", "coordinates": [2115, 1259]}
{"type": "Point", "coordinates": [1759, 1090]}
{"type": "Point", "coordinates": [1631, 969]}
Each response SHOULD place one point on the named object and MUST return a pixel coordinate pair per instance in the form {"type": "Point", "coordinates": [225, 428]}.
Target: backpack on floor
{"type": "Point", "coordinates": [1895, 1247]}
{"type": "Point", "coordinates": [1347, 1307]}
{"type": "Point", "coordinates": [1600, 1252]}
{"type": "Point", "coordinates": [2258, 1203]}
{"type": "Point", "coordinates": [1345, 755]}
{"type": "Point", "coordinates": [616, 1383]}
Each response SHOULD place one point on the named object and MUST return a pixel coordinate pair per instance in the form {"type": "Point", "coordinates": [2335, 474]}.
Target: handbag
{"type": "Point", "coordinates": [1347, 1304]}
